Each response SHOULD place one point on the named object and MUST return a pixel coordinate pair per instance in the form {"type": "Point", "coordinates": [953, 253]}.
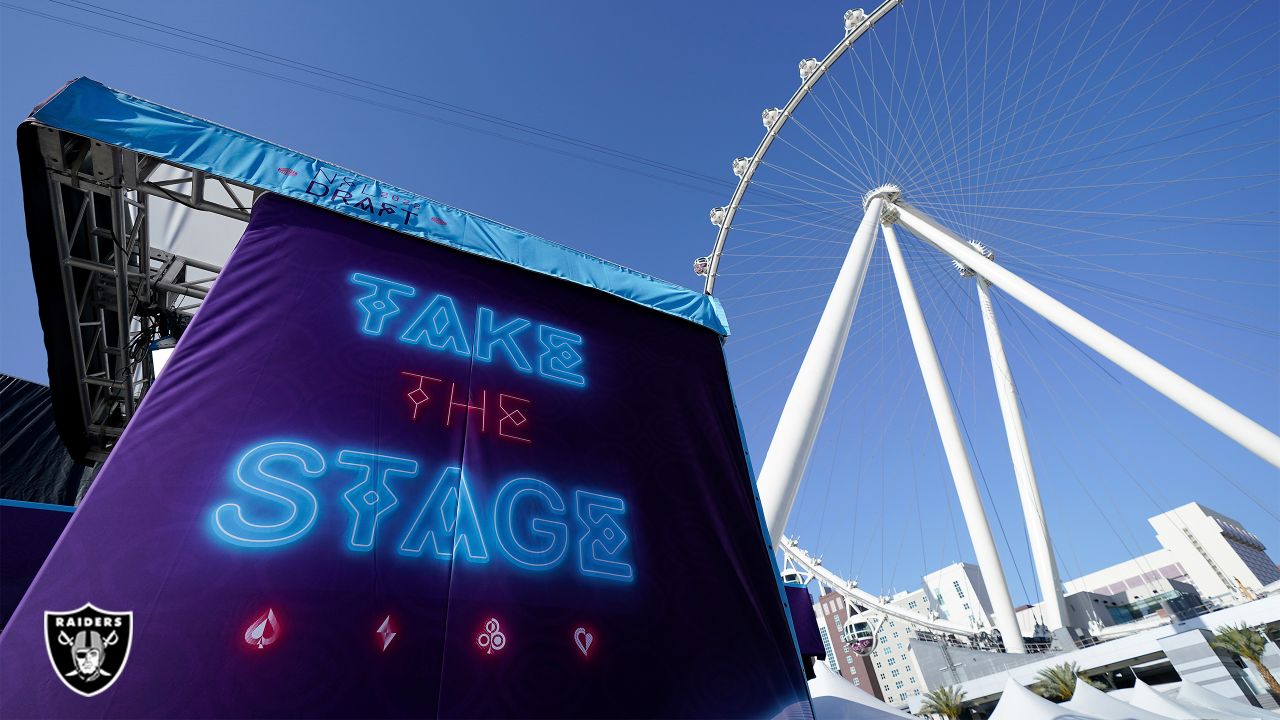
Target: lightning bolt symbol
{"type": "Point", "coordinates": [386, 632]}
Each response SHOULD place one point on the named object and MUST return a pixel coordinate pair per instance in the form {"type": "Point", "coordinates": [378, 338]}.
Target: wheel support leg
{"type": "Point", "coordinates": [788, 453]}
{"type": "Point", "coordinates": [1226, 419]}
{"type": "Point", "coordinates": [975, 516]}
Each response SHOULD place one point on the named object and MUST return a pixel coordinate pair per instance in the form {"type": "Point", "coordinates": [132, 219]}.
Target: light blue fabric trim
{"type": "Point", "coordinates": [88, 108]}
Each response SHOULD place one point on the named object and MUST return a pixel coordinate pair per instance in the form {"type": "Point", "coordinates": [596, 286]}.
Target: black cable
{"type": "Point", "coordinates": [331, 74]}
{"type": "Point", "coordinates": [338, 93]}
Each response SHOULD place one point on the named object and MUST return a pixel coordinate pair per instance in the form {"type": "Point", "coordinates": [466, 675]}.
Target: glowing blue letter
{"type": "Point", "coordinates": [229, 521]}
{"type": "Point", "coordinates": [487, 336]}
{"type": "Point", "coordinates": [551, 535]}
{"type": "Point", "coordinates": [449, 510]}
{"type": "Point", "coordinates": [559, 358]}
{"type": "Point", "coordinates": [603, 539]}
{"type": "Point", "coordinates": [371, 497]}
{"type": "Point", "coordinates": [439, 324]}
{"type": "Point", "coordinates": [380, 303]}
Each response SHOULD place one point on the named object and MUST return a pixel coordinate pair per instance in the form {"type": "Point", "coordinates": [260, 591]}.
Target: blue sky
{"type": "Point", "coordinates": [683, 84]}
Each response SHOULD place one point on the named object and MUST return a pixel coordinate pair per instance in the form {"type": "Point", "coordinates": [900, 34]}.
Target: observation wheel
{"type": "Point", "coordinates": [1096, 185]}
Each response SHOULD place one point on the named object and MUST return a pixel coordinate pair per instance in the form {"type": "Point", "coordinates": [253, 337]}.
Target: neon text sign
{"type": "Point", "coordinates": [506, 414]}
{"type": "Point", "coordinates": [528, 524]}
{"type": "Point", "coordinates": [546, 351]}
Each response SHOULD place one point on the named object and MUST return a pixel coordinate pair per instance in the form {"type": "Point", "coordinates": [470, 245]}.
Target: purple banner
{"type": "Point", "coordinates": [383, 478]}
{"type": "Point", "coordinates": [805, 622]}
{"type": "Point", "coordinates": [27, 534]}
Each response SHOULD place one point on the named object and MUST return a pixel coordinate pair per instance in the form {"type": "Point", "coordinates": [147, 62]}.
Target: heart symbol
{"type": "Point", "coordinates": [583, 639]}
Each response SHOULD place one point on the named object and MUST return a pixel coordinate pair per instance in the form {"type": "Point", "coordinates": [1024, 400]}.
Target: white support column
{"type": "Point", "coordinates": [1054, 607]}
{"type": "Point", "coordinates": [975, 516]}
{"type": "Point", "coordinates": [1225, 418]}
{"type": "Point", "coordinates": [801, 417]}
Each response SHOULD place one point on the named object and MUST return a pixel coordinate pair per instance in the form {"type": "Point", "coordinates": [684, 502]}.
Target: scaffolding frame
{"type": "Point", "coordinates": [123, 297]}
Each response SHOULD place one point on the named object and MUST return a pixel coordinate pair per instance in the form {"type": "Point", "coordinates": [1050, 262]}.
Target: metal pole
{"type": "Point", "coordinates": [801, 417]}
{"type": "Point", "coordinates": [1054, 607]}
{"type": "Point", "coordinates": [124, 316]}
{"type": "Point", "coordinates": [1235, 425]}
{"type": "Point", "coordinates": [63, 238]}
{"type": "Point", "coordinates": [975, 516]}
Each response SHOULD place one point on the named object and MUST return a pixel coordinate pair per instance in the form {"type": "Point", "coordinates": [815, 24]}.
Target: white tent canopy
{"type": "Point", "coordinates": [1148, 698]}
{"type": "Point", "coordinates": [1190, 692]}
{"type": "Point", "coordinates": [1193, 702]}
{"type": "Point", "coordinates": [1019, 703]}
{"type": "Point", "coordinates": [1090, 700]}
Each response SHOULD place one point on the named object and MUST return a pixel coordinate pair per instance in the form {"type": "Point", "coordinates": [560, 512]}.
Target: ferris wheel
{"type": "Point", "coordinates": [1059, 187]}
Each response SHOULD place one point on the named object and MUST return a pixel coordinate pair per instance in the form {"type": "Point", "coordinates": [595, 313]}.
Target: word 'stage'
{"type": "Point", "coordinates": [529, 523]}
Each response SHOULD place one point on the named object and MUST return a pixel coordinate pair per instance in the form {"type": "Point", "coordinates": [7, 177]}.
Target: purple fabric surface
{"type": "Point", "coordinates": [277, 354]}
{"type": "Point", "coordinates": [805, 621]}
{"type": "Point", "coordinates": [27, 534]}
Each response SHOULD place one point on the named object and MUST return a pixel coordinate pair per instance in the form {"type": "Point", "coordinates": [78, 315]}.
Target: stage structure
{"type": "Point", "coordinates": [140, 209]}
{"type": "Point", "coordinates": [404, 461]}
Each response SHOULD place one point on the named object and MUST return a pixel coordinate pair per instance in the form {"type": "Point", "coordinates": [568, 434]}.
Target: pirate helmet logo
{"type": "Point", "coordinates": [88, 647]}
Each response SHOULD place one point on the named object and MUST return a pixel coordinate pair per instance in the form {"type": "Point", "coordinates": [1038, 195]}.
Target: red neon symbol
{"type": "Point", "coordinates": [438, 221]}
{"type": "Point", "coordinates": [466, 407]}
{"type": "Point", "coordinates": [512, 411]}
{"type": "Point", "coordinates": [418, 396]}
{"type": "Point", "coordinates": [582, 638]}
{"type": "Point", "coordinates": [263, 631]}
{"type": "Point", "coordinates": [512, 419]}
{"type": "Point", "coordinates": [492, 638]}
{"type": "Point", "coordinates": [287, 171]}
{"type": "Point", "coordinates": [386, 633]}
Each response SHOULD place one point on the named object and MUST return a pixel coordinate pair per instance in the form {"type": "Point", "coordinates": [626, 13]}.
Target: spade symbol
{"type": "Point", "coordinates": [263, 631]}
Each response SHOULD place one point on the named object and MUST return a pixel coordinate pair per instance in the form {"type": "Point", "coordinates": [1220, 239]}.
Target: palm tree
{"type": "Point", "coordinates": [945, 701]}
{"type": "Point", "coordinates": [1248, 644]}
{"type": "Point", "coordinates": [1057, 683]}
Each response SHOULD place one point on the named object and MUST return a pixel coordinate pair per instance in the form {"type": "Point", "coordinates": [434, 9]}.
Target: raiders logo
{"type": "Point", "coordinates": [88, 647]}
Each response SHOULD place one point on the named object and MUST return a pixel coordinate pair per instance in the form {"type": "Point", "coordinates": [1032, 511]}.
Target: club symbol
{"type": "Point", "coordinates": [492, 638]}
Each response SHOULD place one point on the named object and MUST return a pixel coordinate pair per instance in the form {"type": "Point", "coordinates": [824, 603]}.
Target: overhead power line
{"type": "Point", "coordinates": [645, 166]}
{"type": "Point", "coordinates": [330, 73]}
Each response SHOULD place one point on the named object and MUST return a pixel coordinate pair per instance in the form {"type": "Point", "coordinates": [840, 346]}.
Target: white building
{"type": "Point", "coordinates": [1131, 577]}
{"type": "Point", "coordinates": [1220, 556]}
{"type": "Point", "coordinates": [1180, 646]}
{"type": "Point", "coordinates": [1084, 610]}
{"type": "Point", "coordinates": [891, 661]}
{"type": "Point", "coordinates": [953, 593]}
{"type": "Point", "coordinates": [956, 593]}
{"type": "Point", "coordinates": [1206, 557]}
{"type": "Point", "coordinates": [832, 612]}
